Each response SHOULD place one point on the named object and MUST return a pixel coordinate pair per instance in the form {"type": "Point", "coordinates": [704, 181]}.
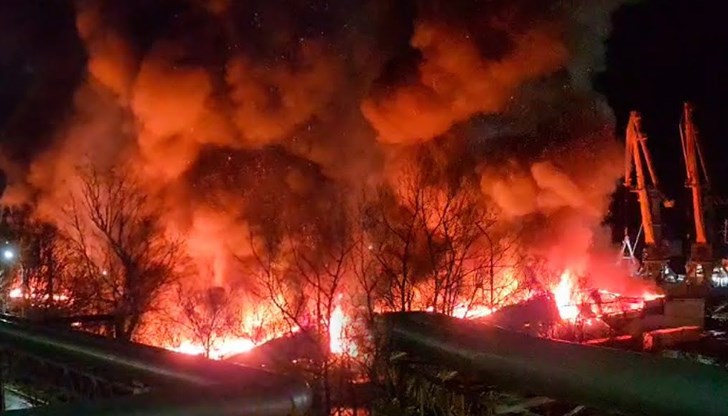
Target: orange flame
{"type": "Point", "coordinates": [263, 322]}
{"type": "Point", "coordinates": [568, 300]}
{"type": "Point", "coordinates": [337, 343]}
{"type": "Point", "coordinates": [564, 297]}
{"type": "Point", "coordinates": [18, 293]}
{"type": "Point", "coordinates": [471, 311]}
{"type": "Point", "coordinates": [219, 349]}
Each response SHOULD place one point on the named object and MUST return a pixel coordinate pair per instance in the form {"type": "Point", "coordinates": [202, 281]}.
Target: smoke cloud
{"type": "Point", "coordinates": [559, 203]}
{"type": "Point", "coordinates": [270, 103]}
{"type": "Point", "coordinates": [456, 82]}
{"type": "Point", "coordinates": [242, 115]}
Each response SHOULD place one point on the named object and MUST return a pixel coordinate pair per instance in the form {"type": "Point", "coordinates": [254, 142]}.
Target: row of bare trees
{"type": "Point", "coordinates": [411, 245]}
{"type": "Point", "coordinates": [109, 255]}
{"type": "Point", "coordinates": [415, 243]}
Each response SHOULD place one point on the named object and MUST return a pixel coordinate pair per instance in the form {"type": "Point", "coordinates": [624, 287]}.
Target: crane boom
{"type": "Point", "coordinates": [700, 265]}
{"type": "Point", "coordinates": [639, 163]}
{"type": "Point", "coordinates": [692, 154]}
{"type": "Point", "coordinates": [636, 143]}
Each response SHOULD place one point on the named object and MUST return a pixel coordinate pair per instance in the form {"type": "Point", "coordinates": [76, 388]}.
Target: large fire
{"type": "Point", "coordinates": [565, 295]}
{"type": "Point", "coordinates": [577, 300]}
{"type": "Point", "coordinates": [340, 343]}
{"type": "Point", "coordinates": [290, 159]}
{"type": "Point", "coordinates": [221, 348]}
{"type": "Point", "coordinates": [574, 302]}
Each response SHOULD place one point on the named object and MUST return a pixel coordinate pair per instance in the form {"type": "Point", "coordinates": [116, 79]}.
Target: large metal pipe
{"type": "Point", "coordinates": [238, 390]}
{"type": "Point", "coordinates": [224, 400]}
{"type": "Point", "coordinates": [603, 378]}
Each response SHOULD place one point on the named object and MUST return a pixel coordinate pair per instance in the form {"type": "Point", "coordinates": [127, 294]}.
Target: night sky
{"type": "Point", "coordinates": [660, 53]}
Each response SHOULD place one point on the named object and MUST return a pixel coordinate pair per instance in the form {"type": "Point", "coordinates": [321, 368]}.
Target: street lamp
{"type": "Point", "coordinates": [10, 256]}
{"type": "Point", "coordinates": [8, 253]}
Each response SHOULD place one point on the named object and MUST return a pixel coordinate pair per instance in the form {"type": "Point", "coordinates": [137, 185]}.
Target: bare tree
{"type": "Point", "coordinates": [396, 239]}
{"type": "Point", "coordinates": [39, 260]}
{"type": "Point", "coordinates": [125, 259]}
{"type": "Point", "coordinates": [208, 314]}
{"type": "Point", "coordinates": [323, 264]}
{"type": "Point", "coordinates": [302, 274]}
{"type": "Point", "coordinates": [364, 264]}
{"type": "Point", "coordinates": [268, 263]}
{"type": "Point", "coordinates": [423, 233]}
{"type": "Point", "coordinates": [500, 278]}
{"type": "Point", "coordinates": [455, 257]}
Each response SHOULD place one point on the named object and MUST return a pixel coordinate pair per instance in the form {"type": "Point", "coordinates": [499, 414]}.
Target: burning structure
{"type": "Point", "coordinates": [315, 165]}
{"type": "Point", "coordinates": [462, 176]}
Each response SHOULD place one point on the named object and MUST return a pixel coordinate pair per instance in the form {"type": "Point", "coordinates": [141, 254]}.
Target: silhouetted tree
{"type": "Point", "coordinates": [303, 273]}
{"type": "Point", "coordinates": [39, 266]}
{"type": "Point", "coordinates": [209, 315]}
{"type": "Point", "coordinates": [124, 258]}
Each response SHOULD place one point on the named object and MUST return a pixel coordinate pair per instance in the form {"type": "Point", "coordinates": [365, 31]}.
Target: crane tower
{"type": "Point", "coordinates": [700, 264]}
{"type": "Point", "coordinates": [654, 260]}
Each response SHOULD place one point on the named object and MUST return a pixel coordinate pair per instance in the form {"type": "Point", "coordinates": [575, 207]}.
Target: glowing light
{"type": "Point", "coordinates": [564, 296]}
{"type": "Point", "coordinates": [336, 330]}
{"type": "Point", "coordinates": [471, 311]}
{"type": "Point", "coordinates": [8, 254]}
{"type": "Point", "coordinates": [17, 293]}
{"type": "Point", "coordinates": [647, 296]}
{"type": "Point", "coordinates": [219, 349]}
{"type": "Point", "coordinates": [190, 348]}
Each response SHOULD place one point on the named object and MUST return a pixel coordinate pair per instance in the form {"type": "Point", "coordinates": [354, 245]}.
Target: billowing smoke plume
{"type": "Point", "coordinates": [239, 115]}
{"type": "Point", "coordinates": [456, 82]}
{"type": "Point", "coordinates": [515, 80]}
{"type": "Point", "coordinates": [559, 203]}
